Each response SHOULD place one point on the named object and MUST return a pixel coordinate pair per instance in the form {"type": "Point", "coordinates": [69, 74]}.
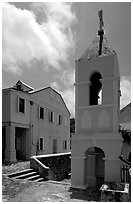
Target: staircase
{"type": "Point", "coordinates": [28, 174]}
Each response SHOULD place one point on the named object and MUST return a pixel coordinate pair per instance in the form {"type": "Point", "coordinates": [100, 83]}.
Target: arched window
{"type": "Point", "coordinates": [95, 89]}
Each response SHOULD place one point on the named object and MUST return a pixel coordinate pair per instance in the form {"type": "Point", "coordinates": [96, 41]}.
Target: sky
{"type": "Point", "coordinates": [41, 41]}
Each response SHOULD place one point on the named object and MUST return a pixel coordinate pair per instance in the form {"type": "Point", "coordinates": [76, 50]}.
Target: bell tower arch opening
{"type": "Point", "coordinates": [95, 89]}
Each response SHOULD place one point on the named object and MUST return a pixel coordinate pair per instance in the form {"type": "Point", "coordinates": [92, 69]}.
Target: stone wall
{"type": "Point", "coordinates": [115, 192]}
{"type": "Point", "coordinates": [54, 166]}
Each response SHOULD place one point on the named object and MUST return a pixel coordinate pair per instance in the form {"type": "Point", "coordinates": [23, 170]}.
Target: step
{"type": "Point", "coordinates": [28, 174]}
{"type": "Point", "coordinates": [39, 180]}
{"type": "Point", "coordinates": [17, 173]}
{"type": "Point", "coordinates": [33, 177]}
{"type": "Point", "coordinates": [23, 176]}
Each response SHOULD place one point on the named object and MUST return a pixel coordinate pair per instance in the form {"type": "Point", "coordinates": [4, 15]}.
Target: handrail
{"type": "Point", "coordinates": [45, 167]}
{"type": "Point", "coordinates": [51, 155]}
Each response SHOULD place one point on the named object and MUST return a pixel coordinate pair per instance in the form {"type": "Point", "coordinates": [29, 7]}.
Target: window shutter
{"type": "Point", "coordinates": [63, 144]}
{"type": "Point", "coordinates": [39, 112]}
{"type": "Point", "coordinates": [53, 117]}
{"type": "Point", "coordinates": [24, 105]}
{"type": "Point", "coordinates": [58, 119]}
{"type": "Point", "coordinates": [21, 105]}
{"type": "Point", "coordinates": [44, 113]}
{"type": "Point", "coordinates": [41, 143]}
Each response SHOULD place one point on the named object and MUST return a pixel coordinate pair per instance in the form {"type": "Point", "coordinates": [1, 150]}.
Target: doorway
{"type": "Point", "coordinates": [54, 146]}
{"type": "Point", "coordinates": [3, 142]}
{"type": "Point", "coordinates": [95, 166]}
{"type": "Point", "coordinates": [22, 143]}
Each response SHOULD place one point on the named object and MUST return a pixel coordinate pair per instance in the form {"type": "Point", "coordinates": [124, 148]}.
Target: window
{"type": "Point", "coordinates": [59, 119]}
{"type": "Point", "coordinates": [54, 146]}
{"type": "Point", "coordinates": [41, 143]}
{"type": "Point", "coordinates": [41, 112]}
{"type": "Point", "coordinates": [95, 88]}
{"type": "Point", "coordinates": [65, 144]}
{"type": "Point", "coordinates": [51, 116]}
{"type": "Point", "coordinates": [19, 87]}
{"type": "Point", "coordinates": [21, 105]}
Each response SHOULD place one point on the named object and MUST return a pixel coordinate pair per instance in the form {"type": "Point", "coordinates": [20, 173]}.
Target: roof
{"type": "Point", "coordinates": [37, 90]}
{"type": "Point", "coordinates": [125, 117]}
{"type": "Point", "coordinates": [26, 85]}
{"type": "Point", "coordinates": [41, 89]}
{"type": "Point", "coordinates": [128, 106]}
{"type": "Point", "coordinates": [31, 91]}
{"type": "Point", "coordinates": [93, 50]}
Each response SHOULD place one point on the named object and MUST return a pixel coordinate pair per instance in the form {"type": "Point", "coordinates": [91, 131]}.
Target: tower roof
{"type": "Point", "coordinates": [93, 50]}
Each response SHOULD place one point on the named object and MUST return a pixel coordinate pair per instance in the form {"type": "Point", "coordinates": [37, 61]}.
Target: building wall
{"type": "Point", "coordinates": [106, 66]}
{"type": "Point", "coordinates": [16, 116]}
{"type": "Point", "coordinates": [32, 125]}
{"type": "Point", "coordinates": [43, 128]}
{"type": "Point", "coordinates": [6, 105]}
{"type": "Point", "coordinates": [125, 117]}
{"type": "Point", "coordinates": [97, 125]}
{"type": "Point", "coordinates": [49, 96]}
{"type": "Point", "coordinates": [125, 114]}
{"type": "Point", "coordinates": [125, 122]}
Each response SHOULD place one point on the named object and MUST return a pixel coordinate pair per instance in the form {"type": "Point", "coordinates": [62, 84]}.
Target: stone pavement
{"type": "Point", "coordinates": [50, 191]}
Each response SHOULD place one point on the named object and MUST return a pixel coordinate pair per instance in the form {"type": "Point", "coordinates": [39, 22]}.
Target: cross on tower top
{"type": "Point", "coordinates": [101, 23]}
{"type": "Point", "coordinates": [100, 32]}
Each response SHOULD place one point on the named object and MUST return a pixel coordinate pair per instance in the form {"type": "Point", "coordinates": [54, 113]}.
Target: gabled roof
{"type": "Point", "coordinates": [41, 89]}
{"type": "Point", "coordinates": [26, 87]}
{"type": "Point", "coordinates": [93, 50]}
{"type": "Point", "coordinates": [30, 90]}
{"type": "Point", "coordinates": [125, 117]}
{"type": "Point", "coordinates": [128, 106]}
{"type": "Point", "coordinates": [38, 90]}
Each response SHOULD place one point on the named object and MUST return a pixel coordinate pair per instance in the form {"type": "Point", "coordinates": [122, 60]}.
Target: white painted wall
{"type": "Point", "coordinates": [50, 101]}
{"type": "Point", "coordinates": [96, 125]}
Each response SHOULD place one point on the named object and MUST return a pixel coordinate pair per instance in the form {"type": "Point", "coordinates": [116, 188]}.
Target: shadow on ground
{"type": "Point", "coordinates": [89, 194]}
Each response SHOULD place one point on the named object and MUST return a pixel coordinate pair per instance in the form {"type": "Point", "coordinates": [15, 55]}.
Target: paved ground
{"type": "Point", "coordinates": [27, 191]}
{"type": "Point", "coordinates": [53, 192]}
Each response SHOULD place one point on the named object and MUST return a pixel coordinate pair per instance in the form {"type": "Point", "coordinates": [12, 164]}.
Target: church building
{"type": "Point", "coordinates": [34, 122]}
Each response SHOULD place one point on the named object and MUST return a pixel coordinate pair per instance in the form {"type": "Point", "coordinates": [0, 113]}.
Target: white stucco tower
{"type": "Point", "coordinates": [96, 145]}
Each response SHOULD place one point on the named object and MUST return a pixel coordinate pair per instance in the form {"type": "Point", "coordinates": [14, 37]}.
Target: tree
{"type": "Point", "coordinates": [72, 125]}
{"type": "Point", "coordinates": [126, 135]}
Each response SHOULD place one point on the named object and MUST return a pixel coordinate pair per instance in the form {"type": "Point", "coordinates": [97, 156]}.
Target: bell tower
{"type": "Point", "coordinates": [96, 145]}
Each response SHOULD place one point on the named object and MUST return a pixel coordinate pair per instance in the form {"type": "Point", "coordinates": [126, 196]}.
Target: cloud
{"type": "Point", "coordinates": [55, 86]}
{"type": "Point", "coordinates": [69, 98]}
{"type": "Point", "coordinates": [68, 95]}
{"type": "Point", "coordinates": [68, 91]}
{"type": "Point", "coordinates": [67, 77]}
{"type": "Point", "coordinates": [125, 86]}
{"type": "Point", "coordinates": [64, 84]}
{"type": "Point", "coordinates": [42, 33]}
